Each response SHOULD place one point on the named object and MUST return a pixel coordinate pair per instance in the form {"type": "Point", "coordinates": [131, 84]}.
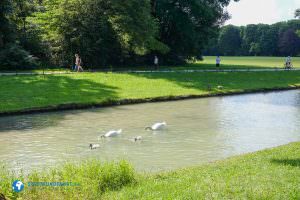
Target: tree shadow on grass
{"type": "Point", "coordinates": [290, 162]}
{"type": "Point", "coordinates": [24, 92]}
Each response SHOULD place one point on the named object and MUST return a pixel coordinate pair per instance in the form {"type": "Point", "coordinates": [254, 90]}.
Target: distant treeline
{"type": "Point", "coordinates": [114, 32]}
{"type": "Point", "coordinates": [280, 39]}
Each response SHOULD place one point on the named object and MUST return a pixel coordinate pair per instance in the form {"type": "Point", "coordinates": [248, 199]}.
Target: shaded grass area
{"type": "Point", "coordinates": [27, 92]}
{"type": "Point", "coordinates": [87, 180]}
{"type": "Point", "coordinates": [269, 174]}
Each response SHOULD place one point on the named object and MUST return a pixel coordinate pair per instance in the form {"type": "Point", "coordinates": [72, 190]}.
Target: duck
{"type": "Point", "coordinates": [157, 126]}
{"type": "Point", "coordinates": [112, 133]}
{"type": "Point", "coordinates": [94, 146]}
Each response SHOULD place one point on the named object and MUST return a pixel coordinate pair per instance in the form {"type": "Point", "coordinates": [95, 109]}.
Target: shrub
{"type": "Point", "coordinates": [13, 57]}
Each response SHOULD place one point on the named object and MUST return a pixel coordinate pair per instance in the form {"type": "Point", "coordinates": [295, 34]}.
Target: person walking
{"type": "Point", "coordinates": [218, 61]}
{"type": "Point", "coordinates": [156, 62]}
{"type": "Point", "coordinates": [78, 63]}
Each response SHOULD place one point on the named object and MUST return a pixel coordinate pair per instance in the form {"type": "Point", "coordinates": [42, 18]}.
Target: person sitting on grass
{"type": "Point", "coordinates": [218, 61]}
{"type": "Point", "coordinates": [78, 63]}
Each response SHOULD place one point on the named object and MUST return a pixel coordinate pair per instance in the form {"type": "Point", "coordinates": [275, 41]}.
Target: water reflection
{"type": "Point", "coordinates": [198, 131]}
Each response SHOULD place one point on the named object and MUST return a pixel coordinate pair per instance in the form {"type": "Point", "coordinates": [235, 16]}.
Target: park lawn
{"type": "Point", "coordinates": [28, 92]}
{"type": "Point", "coordinates": [228, 62]}
{"type": "Point", "coordinates": [268, 174]}
{"type": "Point", "coordinates": [248, 62]}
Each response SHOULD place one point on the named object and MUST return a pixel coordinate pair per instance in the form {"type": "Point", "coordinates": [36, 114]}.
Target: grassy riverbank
{"type": "Point", "coordinates": [30, 92]}
{"type": "Point", "coordinates": [87, 180]}
{"type": "Point", "coordinates": [268, 174]}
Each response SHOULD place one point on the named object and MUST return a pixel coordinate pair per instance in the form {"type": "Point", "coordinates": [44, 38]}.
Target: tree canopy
{"type": "Point", "coordinates": [107, 32]}
{"type": "Point", "coordinates": [278, 39]}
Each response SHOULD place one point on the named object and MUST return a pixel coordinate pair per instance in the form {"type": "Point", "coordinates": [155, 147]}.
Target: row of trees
{"type": "Point", "coordinates": [105, 32]}
{"type": "Point", "coordinates": [280, 39]}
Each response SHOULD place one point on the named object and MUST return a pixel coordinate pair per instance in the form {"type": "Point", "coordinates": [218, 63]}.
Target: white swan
{"type": "Point", "coordinates": [138, 138]}
{"type": "Point", "coordinates": [94, 146]}
{"type": "Point", "coordinates": [112, 133]}
{"type": "Point", "coordinates": [157, 126]}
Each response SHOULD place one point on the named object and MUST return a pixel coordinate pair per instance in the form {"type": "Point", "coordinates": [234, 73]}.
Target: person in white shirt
{"type": "Point", "coordinates": [156, 62]}
{"type": "Point", "coordinates": [218, 61]}
{"type": "Point", "coordinates": [288, 62]}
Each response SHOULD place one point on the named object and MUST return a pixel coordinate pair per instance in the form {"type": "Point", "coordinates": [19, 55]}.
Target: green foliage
{"type": "Point", "coordinates": [102, 32]}
{"type": "Point", "coordinates": [186, 26]}
{"type": "Point", "coordinates": [12, 57]}
{"type": "Point", "coordinates": [111, 32]}
{"type": "Point", "coordinates": [258, 40]}
{"type": "Point", "coordinates": [90, 180]}
{"type": "Point", "coordinates": [229, 40]}
{"type": "Point", "coordinates": [6, 28]}
{"type": "Point", "coordinates": [289, 43]}
{"type": "Point", "coordinates": [297, 13]}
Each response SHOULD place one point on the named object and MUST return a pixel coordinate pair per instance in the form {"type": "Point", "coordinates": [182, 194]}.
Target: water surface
{"type": "Point", "coordinates": [198, 131]}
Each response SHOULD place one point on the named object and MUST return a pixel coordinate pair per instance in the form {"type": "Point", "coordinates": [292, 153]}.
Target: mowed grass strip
{"type": "Point", "coordinates": [268, 174]}
{"type": "Point", "coordinates": [27, 92]}
{"type": "Point", "coordinates": [232, 62]}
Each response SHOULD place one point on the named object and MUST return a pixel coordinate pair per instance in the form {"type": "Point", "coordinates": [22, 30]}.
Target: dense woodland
{"type": "Point", "coordinates": [47, 33]}
{"type": "Point", "coordinates": [280, 39]}
{"type": "Point", "coordinates": [105, 32]}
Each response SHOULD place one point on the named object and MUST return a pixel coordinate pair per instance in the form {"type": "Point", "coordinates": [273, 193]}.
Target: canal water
{"type": "Point", "coordinates": [198, 131]}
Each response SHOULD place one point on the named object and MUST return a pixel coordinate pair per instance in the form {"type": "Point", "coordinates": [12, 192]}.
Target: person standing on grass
{"type": "Point", "coordinates": [288, 62]}
{"type": "Point", "coordinates": [218, 61]}
{"type": "Point", "coordinates": [156, 62]}
{"type": "Point", "coordinates": [78, 63]}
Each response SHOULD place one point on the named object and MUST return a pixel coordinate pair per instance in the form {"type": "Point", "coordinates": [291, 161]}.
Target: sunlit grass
{"type": "Point", "coordinates": [90, 180]}
{"type": "Point", "coordinates": [269, 174]}
{"type": "Point", "coordinates": [27, 92]}
{"type": "Point", "coordinates": [249, 62]}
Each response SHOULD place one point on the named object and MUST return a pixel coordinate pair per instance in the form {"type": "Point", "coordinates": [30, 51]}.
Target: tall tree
{"type": "Point", "coordinates": [6, 28]}
{"type": "Point", "coordinates": [104, 32]}
{"type": "Point", "coordinates": [230, 40]}
{"type": "Point", "coordinates": [297, 13]}
{"type": "Point", "coordinates": [186, 26]}
{"type": "Point", "coordinates": [289, 43]}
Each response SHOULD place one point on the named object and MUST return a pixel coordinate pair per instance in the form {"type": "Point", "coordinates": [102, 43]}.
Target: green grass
{"type": "Point", "coordinates": [228, 62]}
{"type": "Point", "coordinates": [269, 174]}
{"type": "Point", "coordinates": [27, 92]}
{"type": "Point", "coordinates": [248, 62]}
{"type": "Point", "coordinates": [90, 180]}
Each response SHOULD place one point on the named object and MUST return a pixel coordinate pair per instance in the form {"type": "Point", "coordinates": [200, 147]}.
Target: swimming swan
{"type": "Point", "coordinates": [157, 126]}
{"type": "Point", "coordinates": [112, 133]}
{"type": "Point", "coordinates": [94, 146]}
